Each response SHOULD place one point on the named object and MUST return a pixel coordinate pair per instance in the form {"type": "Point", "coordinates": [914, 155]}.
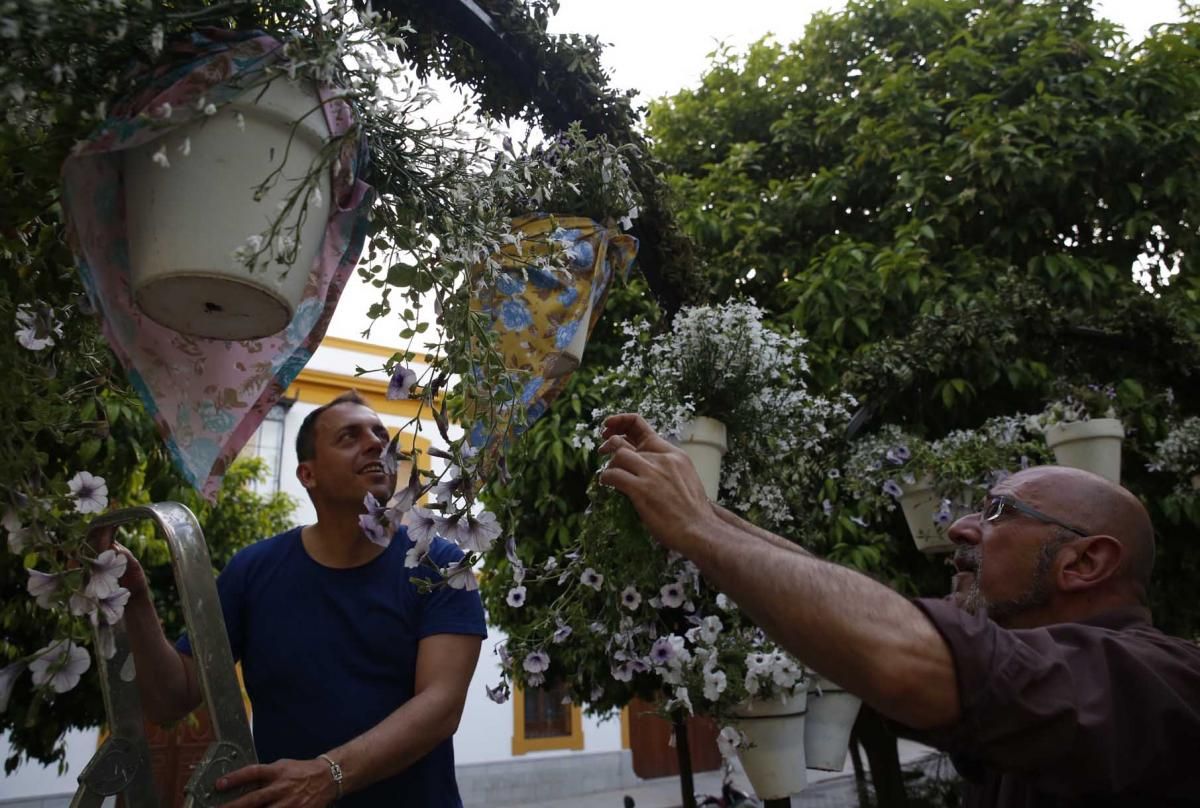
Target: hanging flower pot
{"type": "Point", "coordinates": [1093, 445]}
{"type": "Point", "coordinates": [774, 762]}
{"type": "Point", "coordinates": [831, 715]}
{"type": "Point", "coordinates": [921, 505]}
{"type": "Point", "coordinates": [705, 442]}
{"type": "Point", "coordinates": [195, 224]}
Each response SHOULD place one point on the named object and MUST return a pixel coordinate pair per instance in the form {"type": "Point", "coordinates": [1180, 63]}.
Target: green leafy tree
{"type": "Point", "coordinates": [949, 199]}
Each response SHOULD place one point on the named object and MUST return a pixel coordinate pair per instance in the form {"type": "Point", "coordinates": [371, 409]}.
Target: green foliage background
{"type": "Point", "coordinates": [946, 197]}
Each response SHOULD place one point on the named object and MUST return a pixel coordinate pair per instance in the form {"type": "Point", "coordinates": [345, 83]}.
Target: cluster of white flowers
{"type": "Point", "coordinates": [774, 668]}
{"type": "Point", "coordinates": [1179, 452]}
{"type": "Point", "coordinates": [722, 362]}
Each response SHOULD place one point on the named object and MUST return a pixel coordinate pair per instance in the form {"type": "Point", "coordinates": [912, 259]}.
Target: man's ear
{"type": "Point", "coordinates": [1087, 562]}
{"type": "Point", "coordinates": [304, 474]}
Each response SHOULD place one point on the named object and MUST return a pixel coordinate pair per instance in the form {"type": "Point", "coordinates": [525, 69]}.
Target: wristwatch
{"type": "Point", "coordinates": [335, 769]}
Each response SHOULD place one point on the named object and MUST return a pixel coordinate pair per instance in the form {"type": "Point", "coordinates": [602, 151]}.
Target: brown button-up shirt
{"type": "Point", "coordinates": [1103, 712]}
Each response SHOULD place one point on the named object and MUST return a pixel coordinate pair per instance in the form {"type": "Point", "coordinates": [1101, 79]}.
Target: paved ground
{"type": "Point", "coordinates": [825, 789]}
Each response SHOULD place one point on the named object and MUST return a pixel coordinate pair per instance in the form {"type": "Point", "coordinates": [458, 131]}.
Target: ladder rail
{"type": "Point", "coordinates": [128, 753]}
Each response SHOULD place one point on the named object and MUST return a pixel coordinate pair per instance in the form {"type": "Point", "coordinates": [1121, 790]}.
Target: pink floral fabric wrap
{"type": "Point", "coordinates": [207, 396]}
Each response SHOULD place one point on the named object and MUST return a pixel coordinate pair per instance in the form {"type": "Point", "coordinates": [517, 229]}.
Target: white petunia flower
{"type": "Point", "coordinates": [477, 533]}
{"type": "Point", "coordinates": [112, 607]}
{"type": "Point", "coordinates": [672, 595]}
{"type": "Point", "coordinates": [536, 662]}
{"type": "Point", "coordinates": [591, 578]}
{"type": "Point", "coordinates": [460, 576]}
{"type": "Point", "coordinates": [90, 491]}
{"type": "Point", "coordinates": [630, 598]}
{"type": "Point", "coordinates": [516, 597]}
{"type": "Point", "coordinates": [42, 587]}
{"type": "Point", "coordinates": [107, 570]}
{"type": "Point", "coordinates": [82, 605]}
{"type": "Point", "coordinates": [60, 665]}
{"type": "Point", "coordinates": [714, 685]}
{"type": "Point", "coordinates": [424, 524]}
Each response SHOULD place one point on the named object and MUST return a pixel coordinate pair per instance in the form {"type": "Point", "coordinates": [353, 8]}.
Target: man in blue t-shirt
{"type": "Point", "coordinates": [357, 680]}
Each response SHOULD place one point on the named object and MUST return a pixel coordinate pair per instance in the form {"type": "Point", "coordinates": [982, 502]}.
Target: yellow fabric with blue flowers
{"type": "Point", "coordinates": [536, 312]}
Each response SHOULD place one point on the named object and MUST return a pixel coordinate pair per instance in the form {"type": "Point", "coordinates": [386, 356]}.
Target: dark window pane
{"type": "Point", "coordinates": [545, 714]}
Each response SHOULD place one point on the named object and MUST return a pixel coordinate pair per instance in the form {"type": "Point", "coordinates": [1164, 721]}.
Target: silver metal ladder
{"type": "Point", "coordinates": [122, 764]}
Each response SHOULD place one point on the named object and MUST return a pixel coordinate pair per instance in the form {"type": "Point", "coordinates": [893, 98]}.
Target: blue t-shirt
{"type": "Point", "coordinates": [329, 653]}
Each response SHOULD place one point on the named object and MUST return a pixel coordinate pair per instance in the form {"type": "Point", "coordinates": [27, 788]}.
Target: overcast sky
{"type": "Point", "coordinates": [660, 46]}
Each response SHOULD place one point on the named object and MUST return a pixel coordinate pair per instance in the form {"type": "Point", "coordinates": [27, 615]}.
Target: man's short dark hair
{"type": "Point", "coordinates": [306, 438]}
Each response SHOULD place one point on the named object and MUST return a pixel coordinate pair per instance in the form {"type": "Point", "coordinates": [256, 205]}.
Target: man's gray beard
{"type": "Point", "coordinates": [1037, 595]}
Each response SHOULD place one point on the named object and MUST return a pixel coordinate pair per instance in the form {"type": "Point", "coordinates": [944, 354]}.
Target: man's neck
{"type": "Point", "coordinates": [335, 540]}
{"type": "Point", "coordinates": [1078, 609]}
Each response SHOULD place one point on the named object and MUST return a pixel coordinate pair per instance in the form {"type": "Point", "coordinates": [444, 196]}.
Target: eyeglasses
{"type": "Point", "coordinates": [993, 507]}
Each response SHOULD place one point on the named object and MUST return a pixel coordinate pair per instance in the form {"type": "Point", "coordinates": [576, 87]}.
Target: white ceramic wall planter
{"type": "Point", "coordinates": [774, 763]}
{"type": "Point", "coordinates": [186, 221]}
{"type": "Point", "coordinates": [704, 440]}
{"type": "Point", "coordinates": [1093, 445]}
{"type": "Point", "coordinates": [831, 715]}
{"type": "Point", "coordinates": [920, 504]}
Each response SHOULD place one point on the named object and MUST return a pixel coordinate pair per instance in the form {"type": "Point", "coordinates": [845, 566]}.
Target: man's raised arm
{"type": "Point", "coordinates": [846, 626]}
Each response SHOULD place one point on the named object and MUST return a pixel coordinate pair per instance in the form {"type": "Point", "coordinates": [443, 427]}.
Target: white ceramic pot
{"type": "Point", "coordinates": [774, 763]}
{"type": "Point", "coordinates": [705, 443]}
{"type": "Point", "coordinates": [920, 504]}
{"type": "Point", "coordinates": [184, 222]}
{"type": "Point", "coordinates": [1093, 445]}
{"type": "Point", "coordinates": [831, 715]}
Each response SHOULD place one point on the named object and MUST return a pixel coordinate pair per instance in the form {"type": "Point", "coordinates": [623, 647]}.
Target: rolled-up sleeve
{"type": "Point", "coordinates": [1074, 708]}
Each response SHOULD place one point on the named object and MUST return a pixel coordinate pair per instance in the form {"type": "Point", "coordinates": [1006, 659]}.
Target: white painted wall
{"type": "Point", "coordinates": [34, 780]}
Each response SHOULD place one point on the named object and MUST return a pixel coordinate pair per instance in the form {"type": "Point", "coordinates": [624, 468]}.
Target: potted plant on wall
{"type": "Point", "coordinates": [1084, 431]}
{"type": "Point", "coordinates": [935, 482]}
{"type": "Point", "coordinates": [584, 198]}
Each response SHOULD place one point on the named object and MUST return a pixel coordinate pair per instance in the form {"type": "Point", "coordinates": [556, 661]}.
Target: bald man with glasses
{"type": "Point", "coordinates": [1042, 674]}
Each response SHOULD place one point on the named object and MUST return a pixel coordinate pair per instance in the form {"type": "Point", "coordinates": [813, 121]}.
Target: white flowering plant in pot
{"type": "Point", "coordinates": [881, 468]}
{"type": "Point", "coordinates": [617, 616]}
{"type": "Point", "coordinates": [723, 362]}
{"type": "Point", "coordinates": [1078, 402]}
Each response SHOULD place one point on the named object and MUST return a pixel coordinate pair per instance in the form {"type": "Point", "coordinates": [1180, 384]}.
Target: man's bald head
{"type": "Point", "coordinates": [1098, 507]}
